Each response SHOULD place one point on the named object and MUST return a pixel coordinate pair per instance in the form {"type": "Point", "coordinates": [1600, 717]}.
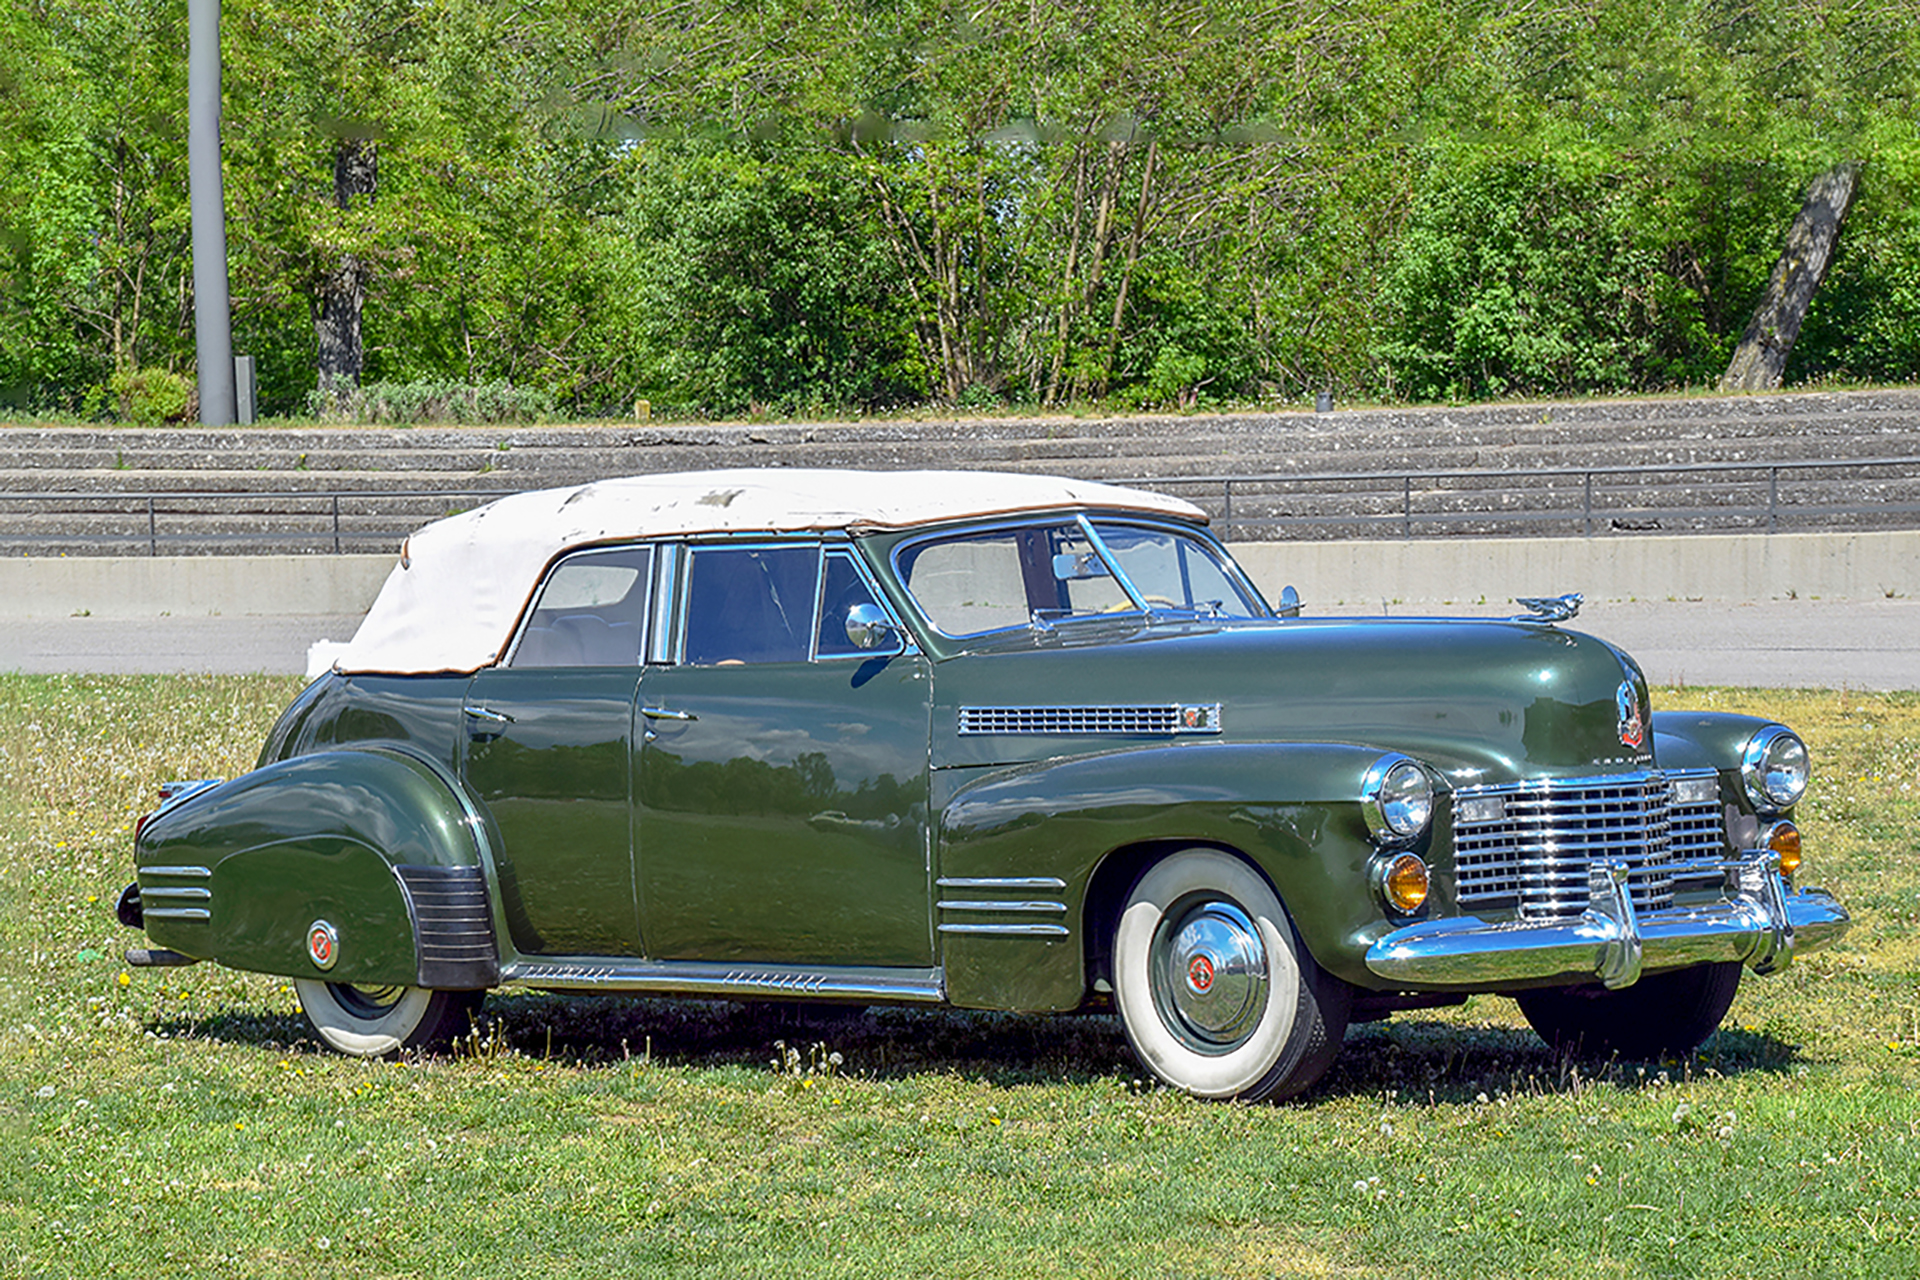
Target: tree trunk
{"type": "Point", "coordinates": [1761, 358]}
{"type": "Point", "coordinates": [343, 290]}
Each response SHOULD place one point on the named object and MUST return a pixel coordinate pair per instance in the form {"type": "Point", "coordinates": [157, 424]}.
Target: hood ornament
{"type": "Point", "coordinates": [1548, 609]}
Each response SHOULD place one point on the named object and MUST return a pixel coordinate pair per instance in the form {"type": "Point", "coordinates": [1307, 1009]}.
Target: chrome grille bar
{"type": "Point", "coordinates": [1530, 845]}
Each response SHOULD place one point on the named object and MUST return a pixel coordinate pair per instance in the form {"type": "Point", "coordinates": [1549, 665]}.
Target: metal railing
{"type": "Point", "coordinates": [1755, 497]}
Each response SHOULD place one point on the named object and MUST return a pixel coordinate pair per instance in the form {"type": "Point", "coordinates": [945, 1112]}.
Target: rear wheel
{"type": "Point", "coordinates": [1664, 1015]}
{"type": "Point", "coordinates": [371, 1021]}
{"type": "Point", "coordinates": [1217, 994]}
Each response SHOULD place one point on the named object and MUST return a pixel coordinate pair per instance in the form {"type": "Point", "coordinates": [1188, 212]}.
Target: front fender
{"type": "Point", "coordinates": [1293, 808]}
{"type": "Point", "coordinates": [381, 845]}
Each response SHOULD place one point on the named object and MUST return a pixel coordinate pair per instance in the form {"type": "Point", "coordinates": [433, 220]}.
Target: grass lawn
{"type": "Point", "coordinates": [178, 1122]}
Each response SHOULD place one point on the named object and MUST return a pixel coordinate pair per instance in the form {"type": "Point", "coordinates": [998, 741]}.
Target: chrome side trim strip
{"type": "Point", "coordinates": [1010, 930]}
{"type": "Point", "coordinates": [179, 873]}
{"type": "Point", "coordinates": [1049, 908]}
{"type": "Point", "coordinates": [177, 913]}
{"type": "Point", "coordinates": [1001, 882]}
{"type": "Point", "coordinates": [699, 978]}
{"type": "Point", "coordinates": [194, 895]}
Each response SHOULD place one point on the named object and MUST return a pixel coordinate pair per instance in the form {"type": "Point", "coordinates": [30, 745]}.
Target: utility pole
{"type": "Point", "coordinates": [212, 318]}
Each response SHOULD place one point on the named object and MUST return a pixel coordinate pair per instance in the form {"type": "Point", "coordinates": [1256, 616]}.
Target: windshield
{"type": "Point", "coordinates": [991, 580]}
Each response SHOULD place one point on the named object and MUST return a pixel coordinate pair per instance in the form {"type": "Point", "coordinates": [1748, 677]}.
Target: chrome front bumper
{"type": "Point", "coordinates": [1759, 923]}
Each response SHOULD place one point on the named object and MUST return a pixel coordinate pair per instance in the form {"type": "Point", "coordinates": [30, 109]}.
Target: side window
{"type": "Point", "coordinates": [750, 604]}
{"type": "Point", "coordinates": [591, 612]}
{"type": "Point", "coordinates": [842, 589]}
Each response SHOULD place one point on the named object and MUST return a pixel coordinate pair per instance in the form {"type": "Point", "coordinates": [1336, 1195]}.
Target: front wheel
{"type": "Point", "coordinates": [371, 1022]}
{"type": "Point", "coordinates": [1217, 994]}
{"type": "Point", "coordinates": [1664, 1015]}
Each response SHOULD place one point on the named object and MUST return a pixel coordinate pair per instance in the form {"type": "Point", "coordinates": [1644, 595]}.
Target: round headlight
{"type": "Point", "coordinates": [1775, 768]}
{"type": "Point", "coordinates": [1397, 798]}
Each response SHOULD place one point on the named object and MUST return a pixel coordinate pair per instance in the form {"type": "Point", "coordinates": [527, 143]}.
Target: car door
{"type": "Point", "coordinates": [782, 806]}
{"type": "Point", "coordinates": [549, 750]}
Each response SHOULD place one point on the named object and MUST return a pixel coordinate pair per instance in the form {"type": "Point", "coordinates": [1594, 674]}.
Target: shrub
{"type": "Point", "coordinates": [409, 403]}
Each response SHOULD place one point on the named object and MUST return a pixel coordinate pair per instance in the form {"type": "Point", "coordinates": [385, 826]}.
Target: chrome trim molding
{"type": "Point", "coordinates": [1168, 720]}
{"type": "Point", "coordinates": [179, 873]}
{"type": "Point", "coordinates": [178, 913]}
{"type": "Point", "coordinates": [1010, 930]}
{"type": "Point", "coordinates": [1001, 882]}
{"type": "Point", "coordinates": [699, 978]}
{"type": "Point", "coordinates": [1760, 924]}
{"type": "Point", "coordinates": [192, 895]}
{"type": "Point", "coordinates": [963, 904]}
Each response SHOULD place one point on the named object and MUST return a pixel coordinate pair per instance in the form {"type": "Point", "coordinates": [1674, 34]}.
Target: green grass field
{"type": "Point", "coordinates": [178, 1122]}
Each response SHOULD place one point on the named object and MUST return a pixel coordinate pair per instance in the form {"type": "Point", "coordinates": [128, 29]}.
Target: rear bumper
{"type": "Point", "coordinates": [1760, 923]}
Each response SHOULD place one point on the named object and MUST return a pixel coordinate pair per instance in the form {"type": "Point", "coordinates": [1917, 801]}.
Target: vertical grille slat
{"type": "Point", "coordinates": [1535, 856]}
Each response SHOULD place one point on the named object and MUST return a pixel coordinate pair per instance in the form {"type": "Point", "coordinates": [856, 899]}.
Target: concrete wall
{"type": "Point", "coordinates": [1857, 566]}
{"type": "Point", "coordinates": [189, 586]}
{"type": "Point", "coordinates": [1806, 566]}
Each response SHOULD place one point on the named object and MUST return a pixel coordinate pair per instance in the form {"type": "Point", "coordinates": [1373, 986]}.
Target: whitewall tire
{"type": "Point", "coordinates": [1217, 994]}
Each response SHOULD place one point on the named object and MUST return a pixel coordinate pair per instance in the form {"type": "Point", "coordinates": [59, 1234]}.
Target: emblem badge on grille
{"type": "Point", "coordinates": [1633, 730]}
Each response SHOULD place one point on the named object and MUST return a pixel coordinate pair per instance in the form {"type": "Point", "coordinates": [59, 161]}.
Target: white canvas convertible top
{"type": "Point", "coordinates": [451, 602]}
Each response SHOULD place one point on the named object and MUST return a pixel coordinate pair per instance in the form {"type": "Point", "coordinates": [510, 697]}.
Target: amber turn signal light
{"type": "Point", "coordinates": [1403, 882]}
{"type": "Point", "coordinates": [1784, 839]}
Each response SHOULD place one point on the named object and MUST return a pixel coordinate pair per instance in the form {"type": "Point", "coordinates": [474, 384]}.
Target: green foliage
{"type": "Point", "coordinates": [151, 396]}
{"type": "Point", "coordinates": [762, 285]}
{"type": "Point", "coordinates": [827, 205]}
{"type": "Point", "coordinates": [413, 403]}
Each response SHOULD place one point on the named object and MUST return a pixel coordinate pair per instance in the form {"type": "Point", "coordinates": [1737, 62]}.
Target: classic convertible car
{"type": "Point", "coordinates": [989, 741]}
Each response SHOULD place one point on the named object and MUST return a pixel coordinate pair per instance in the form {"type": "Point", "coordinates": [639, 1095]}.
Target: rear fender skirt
{"type": "Point", "coordinates": [357, 865]}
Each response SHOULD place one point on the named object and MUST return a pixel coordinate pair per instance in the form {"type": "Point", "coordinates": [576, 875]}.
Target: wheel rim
{"type": "Point", "coordinates": [1208, 973]}
{"type": "Point", "coordinates": [366, 1002]}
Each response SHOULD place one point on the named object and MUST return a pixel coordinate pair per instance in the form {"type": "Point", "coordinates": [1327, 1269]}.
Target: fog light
{"type": "Point", "coordinates": [1403, 882]}
{"type": "Point", "coordinates": [1784, 839]}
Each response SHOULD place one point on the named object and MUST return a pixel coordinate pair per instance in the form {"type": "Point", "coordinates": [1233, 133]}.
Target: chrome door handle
{"type": "Point", "coordinates": [664, 713]}
{"type": "Point", "coordinates": [487, 713]}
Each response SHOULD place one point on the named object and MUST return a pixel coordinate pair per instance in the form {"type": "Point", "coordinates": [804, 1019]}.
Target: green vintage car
{"type": "Point", "coordinates": [987, 741]}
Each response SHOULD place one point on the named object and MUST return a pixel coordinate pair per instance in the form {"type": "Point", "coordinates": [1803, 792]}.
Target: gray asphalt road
{"type": "Point", "coordinates": [1775, 644]}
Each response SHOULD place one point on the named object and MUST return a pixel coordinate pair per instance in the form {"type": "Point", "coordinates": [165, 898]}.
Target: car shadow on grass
{"type": "Point", "coordinates": [1412, 1057]}
{"type": "Point", "coordinates": [1415, 1059]}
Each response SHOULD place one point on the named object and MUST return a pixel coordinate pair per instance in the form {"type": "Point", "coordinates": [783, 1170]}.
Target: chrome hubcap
{"type": "Point", "coordinates": [1209, 975]}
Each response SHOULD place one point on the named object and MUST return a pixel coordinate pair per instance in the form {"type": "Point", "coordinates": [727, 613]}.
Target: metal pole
{"type": "Point", "coordinates": [1226, 531]}
{"type": "Point", "coordinates": [336, 524]}
{"type": "Point", "coordinates": [1587, 513]}
{"type": "Point", "coordinates": [1406, 508]}
{"type": "Point", "coordinates": [212, 318]}
{"type": "Point", "coordinates": [1773, 499]}
{"type": "Point", "coordinates": [153, 537]}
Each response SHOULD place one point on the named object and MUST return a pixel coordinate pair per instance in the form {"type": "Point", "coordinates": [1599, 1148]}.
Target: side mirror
{"type": "Point", "coordinates": [868, 627]}
{"type": "Point", "coordinates": [1289, 603]}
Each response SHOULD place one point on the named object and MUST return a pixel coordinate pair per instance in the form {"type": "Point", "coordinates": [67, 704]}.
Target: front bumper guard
{"type": "Point", "coordinates": [1759, 923]}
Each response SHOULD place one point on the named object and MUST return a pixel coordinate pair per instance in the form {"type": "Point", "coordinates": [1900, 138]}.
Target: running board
{"type": "Point", "coordinates": [733, 981]}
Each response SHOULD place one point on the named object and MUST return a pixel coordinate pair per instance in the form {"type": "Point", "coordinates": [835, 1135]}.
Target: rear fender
{"type": "Point", "coordinates": [364, 865]}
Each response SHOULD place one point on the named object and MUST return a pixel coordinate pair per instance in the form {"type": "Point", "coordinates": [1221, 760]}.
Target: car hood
{"type": "Point", "coordinates": [1483, 702]}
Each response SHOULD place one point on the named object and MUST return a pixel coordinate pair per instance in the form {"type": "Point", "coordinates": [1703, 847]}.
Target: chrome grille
{"type": "Point", "coordinates": [1534, 855]}
{"type": "Point", "coordinates": [1137, 721]}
